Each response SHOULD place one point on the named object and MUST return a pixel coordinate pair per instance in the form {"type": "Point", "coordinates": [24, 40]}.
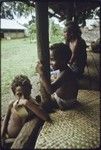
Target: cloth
{"type": "Point", "coordinates": [63, 104]}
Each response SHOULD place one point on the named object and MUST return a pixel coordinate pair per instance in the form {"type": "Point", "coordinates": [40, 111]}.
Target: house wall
{"type": "Point", "coordinates": [13, 34]}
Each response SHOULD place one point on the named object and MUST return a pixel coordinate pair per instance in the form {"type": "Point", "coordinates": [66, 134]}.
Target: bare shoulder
{"type": "Point", "coordinates": [11, 103]}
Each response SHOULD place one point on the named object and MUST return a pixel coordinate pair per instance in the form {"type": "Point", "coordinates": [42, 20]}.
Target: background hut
{"type": "Point", "coordinates": [11, 29]}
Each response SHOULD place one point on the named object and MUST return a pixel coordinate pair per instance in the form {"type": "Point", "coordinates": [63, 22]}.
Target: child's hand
{"type": "Point", "coordinates": [39, 68]}
{"type": "Point", "coordinates": [22, 101]}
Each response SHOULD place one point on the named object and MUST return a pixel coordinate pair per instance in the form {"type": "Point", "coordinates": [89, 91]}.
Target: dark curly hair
{"type": "Point", "coordinates": [73, 30]}
{"type": "Point", "coordinates": [24, 82]}
{"type": "Point", "coordinates": [61, 51]}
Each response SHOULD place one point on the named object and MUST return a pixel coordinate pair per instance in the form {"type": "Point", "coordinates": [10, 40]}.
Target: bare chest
{"type": "Point", "coordinates": [72, 45]}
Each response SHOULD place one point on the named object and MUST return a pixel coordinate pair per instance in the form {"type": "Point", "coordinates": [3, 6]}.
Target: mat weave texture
{"type": "Point", "coordinates": [78, 128]}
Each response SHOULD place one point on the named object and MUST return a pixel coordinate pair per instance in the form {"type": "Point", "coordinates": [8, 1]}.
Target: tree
{"type": "Point", "coordinates": [32, 31]}
{"type": "Point", "coordinates": [88, 15]}
{"type": "Point", "coordinates": [56, 32]}
{"type": "Point", "coordinates": [9, 9]}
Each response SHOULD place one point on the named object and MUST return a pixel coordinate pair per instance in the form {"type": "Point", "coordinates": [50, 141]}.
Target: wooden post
{"type": "Point", "coordinates": [75, 12]}
{"type": "Point", "coordinates": [69, 15]}
{"type": "Point", "coordinates": [43, 42]}
{"type": "Point", "coordinates": [27, 137]}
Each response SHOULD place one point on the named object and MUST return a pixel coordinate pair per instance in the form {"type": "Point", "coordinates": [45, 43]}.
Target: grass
{"type": "Point", "coordinates": [18, 56]}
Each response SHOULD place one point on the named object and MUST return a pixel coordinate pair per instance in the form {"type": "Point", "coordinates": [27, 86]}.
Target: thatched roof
{"type": "Point", "coordinates": [7, 24]}
{"type": "Point", "coordinates": [61, 7]}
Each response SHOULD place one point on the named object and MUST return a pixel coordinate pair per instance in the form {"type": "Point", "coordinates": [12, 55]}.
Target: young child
{"type": "Point", "coordinates": [78, 46]}
{"type": "Point", "coordinates": [22, 109]}
{"type": "Point", "coordinates": [64, 89]}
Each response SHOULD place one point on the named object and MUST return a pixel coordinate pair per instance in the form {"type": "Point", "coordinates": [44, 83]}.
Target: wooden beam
{"type": "Point", "coordinates": [43, 42]}
{"type": "Point", "coordinates": [27, 137]}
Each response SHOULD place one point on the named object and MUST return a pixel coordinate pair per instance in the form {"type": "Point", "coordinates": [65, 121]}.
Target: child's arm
{"type": "Point", "coordinates": [6, 119]}
{"type": "Point", "coordinates": [51, 87]}
{"type": "Point", "coordinates": [35, 109]}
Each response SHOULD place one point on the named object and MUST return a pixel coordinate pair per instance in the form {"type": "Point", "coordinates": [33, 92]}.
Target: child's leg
{"type": "Point", "coordinates": [65, 104]}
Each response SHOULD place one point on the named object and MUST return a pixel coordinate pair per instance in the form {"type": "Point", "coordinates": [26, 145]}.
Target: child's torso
{"type": "Point", "coordinates": [17, 120]}
{"type": "Point", "coordinates": [69, 86]}
{"type": "Point", "coordinates": [68, 91]}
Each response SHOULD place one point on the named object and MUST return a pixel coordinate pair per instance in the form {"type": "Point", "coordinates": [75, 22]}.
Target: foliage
{"type": "Point", "coordinates": [9, 9]}
{"type": "Point", "coordinates": [88, 15]}
{"type": "Point", "coordinates": [56, 32]}
{"type": "Point", "coordinates": [6, 10]}
{"type": "Point", "coordinates": [32, 31]}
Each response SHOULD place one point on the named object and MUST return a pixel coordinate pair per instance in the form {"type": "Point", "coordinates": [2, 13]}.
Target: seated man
{"type": "Point", "coordinates": [76, 43]}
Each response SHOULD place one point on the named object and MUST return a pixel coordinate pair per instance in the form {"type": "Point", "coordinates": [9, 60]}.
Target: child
{"type": "Point", "coordinates": [22, 109]}
{"type": "Point", "coordinates": [78, 46]}
{"type": "Point", "coordinates": [64, 89]}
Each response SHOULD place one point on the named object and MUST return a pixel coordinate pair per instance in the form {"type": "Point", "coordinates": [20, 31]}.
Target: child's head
{"type": "Point", "coordinates": [60, 54]}
{"type": "Point", "coordinates": [21, 86]}
{"type": "Point", "coordinates": [72, 31]}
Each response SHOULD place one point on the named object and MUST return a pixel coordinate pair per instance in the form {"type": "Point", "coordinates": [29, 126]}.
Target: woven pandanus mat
{"type": "Point", "coordinates": [78, 128]}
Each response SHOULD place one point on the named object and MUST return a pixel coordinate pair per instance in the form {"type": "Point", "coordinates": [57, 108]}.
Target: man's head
{"type": "Point", "coordinates": [21, 86]}
{"type": "Point", "coordinates": [60, 54]}
{"type": "Point", "coordinates": [72, 31]}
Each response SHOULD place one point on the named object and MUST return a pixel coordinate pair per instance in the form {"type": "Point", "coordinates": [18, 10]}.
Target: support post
{"type": "Point", "coordinates": [75, 12]}
{"type": "Point", "coordinates": [69, 15]}
{"type": "Point", "coordinates": [43, 42]}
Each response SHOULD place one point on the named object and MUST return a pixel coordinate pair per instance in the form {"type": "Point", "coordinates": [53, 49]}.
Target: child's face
{"type": "Point", "coordinates": [18, 92]}
{"type": "Point", "coordinates": [55, 64]}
